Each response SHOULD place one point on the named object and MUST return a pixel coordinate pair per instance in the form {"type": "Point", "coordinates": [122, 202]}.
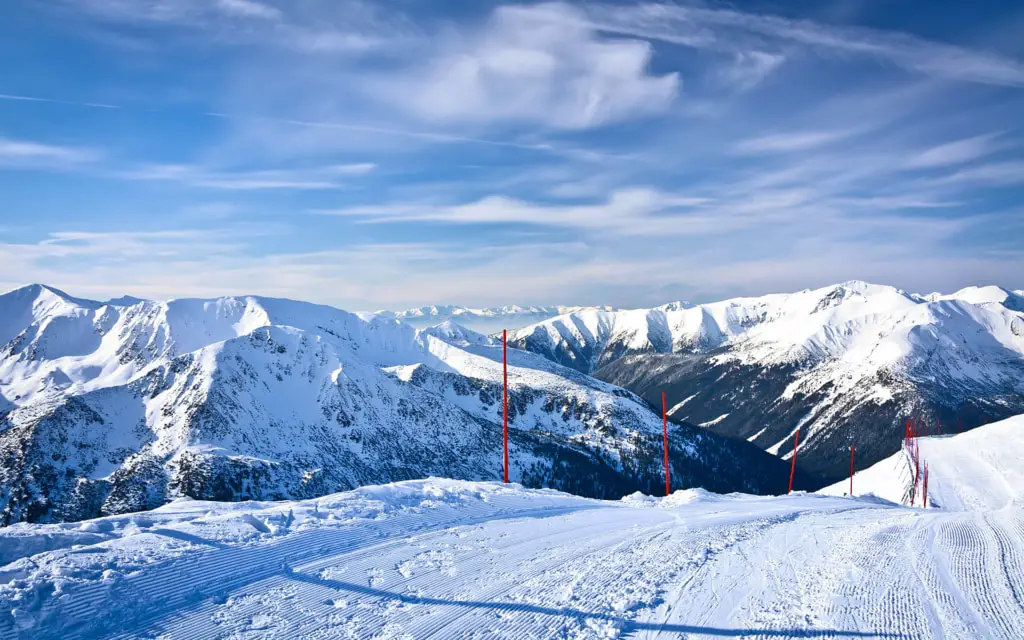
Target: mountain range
{"type": "Point", "coordinates": [118, 406]}
{"type": "Point", "coordinates": [845, 365]}
{"type": "Point", "coordinates": [486, 320]}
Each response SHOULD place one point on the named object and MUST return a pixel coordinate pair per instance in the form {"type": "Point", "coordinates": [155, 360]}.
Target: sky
{"type": "Point", "coordinates": [396, 154]}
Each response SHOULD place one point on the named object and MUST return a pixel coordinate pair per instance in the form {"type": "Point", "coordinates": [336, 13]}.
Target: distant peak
{"type": "Point", "coordinates": [451, 330]}
{"type": "Point", "coordinates": [36, 291]}
{"type": "Point", "coordinates": [678, 305]}
{"type": "Point", "coordinates": [126, 301]}
{"type": "Point", "coordinates": [860, 286]}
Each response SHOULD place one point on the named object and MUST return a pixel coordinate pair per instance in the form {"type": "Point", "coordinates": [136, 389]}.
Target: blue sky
{"type": "Point", "coordinates": [386, 155]}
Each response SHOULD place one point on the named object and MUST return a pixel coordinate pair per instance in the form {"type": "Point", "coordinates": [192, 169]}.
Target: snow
{"type": "Point", "coordinates": [486, 320]}
{"type": "Point", "coordinates": [982, 469]}
{"type": "Point", "coordinates": [715, 421]}
{"type": "Point", "coordinates": [114, 408]}
{"type": "Point", "coordinates": [449, 558]}
{"type": "Point", "coordinates": [838, 341]}
{"type": "Point", "coordinates": [680, 405]}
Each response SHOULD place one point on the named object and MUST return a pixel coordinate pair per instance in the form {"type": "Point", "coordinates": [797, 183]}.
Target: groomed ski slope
{"type": "Point", "coordinates": [447, 559]}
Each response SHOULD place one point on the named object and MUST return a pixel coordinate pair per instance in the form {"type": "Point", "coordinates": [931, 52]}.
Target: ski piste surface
{"type": "Point", "coordinates": [982, 469]}
{"type": "Point", "coordinates": [449, 559]}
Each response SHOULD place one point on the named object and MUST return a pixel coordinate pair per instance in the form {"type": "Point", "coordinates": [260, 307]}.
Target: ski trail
{"type": "Point", "coordinates": [543, 566]}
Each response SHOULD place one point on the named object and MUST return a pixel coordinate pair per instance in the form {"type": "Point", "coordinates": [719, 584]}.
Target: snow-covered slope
{"type": "Point", "coordinates": [844, 363]}
{"type": "Point", "coordinates": [982, 469]}
{"type": "Point", "coordinates": [447, 559]}
{"type": "Point", "coordinates": [121, 406]}
{"type": "Point", "coordinates": [488, 320]}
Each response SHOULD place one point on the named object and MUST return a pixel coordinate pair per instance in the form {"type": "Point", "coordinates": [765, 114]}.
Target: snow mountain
{"type": "Point", "coordinates": [845, 364]}
{"type": "Point", "coordinates": [119, 406]}
{"type": "Point", "coordinates": [488, 320]}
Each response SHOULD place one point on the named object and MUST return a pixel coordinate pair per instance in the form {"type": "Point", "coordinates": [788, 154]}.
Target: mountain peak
{"type": "Point", "coordinates": [125, 301]}
{"type": "Point", "coordinates": [37, 293]}
{"type": "Point", "coordinates": [453, 332]}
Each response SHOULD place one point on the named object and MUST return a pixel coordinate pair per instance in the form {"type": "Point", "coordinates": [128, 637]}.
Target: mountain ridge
{"type": "Point", "coordinates": [110, 408]}
{"type": "Point", "coordinates": [845, 362]}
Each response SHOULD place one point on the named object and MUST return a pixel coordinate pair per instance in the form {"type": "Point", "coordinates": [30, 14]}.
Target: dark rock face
{"type": "Point", "coordinates": [753, 400]}
{"type": "Point", "coordinates": [846, 364]}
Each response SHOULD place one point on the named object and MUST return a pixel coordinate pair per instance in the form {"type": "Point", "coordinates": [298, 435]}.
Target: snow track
{"type": "Point", "coordinates": [446, 559]}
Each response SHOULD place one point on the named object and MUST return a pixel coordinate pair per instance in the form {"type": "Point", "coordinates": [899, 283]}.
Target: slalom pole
{"type": "Point", "coordinates": [664, 434]}
{"type": "Point", "coordinates": [504, 396]}
{"type": "Point", "coordinates": [851, 470]}
{"type": "Point", "coordinates": [792, 467]}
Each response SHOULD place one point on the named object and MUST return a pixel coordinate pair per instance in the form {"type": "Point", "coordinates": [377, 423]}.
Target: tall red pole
{"type": "Point", "coordinates": [926, 486]}
{"type": "Point", "coordinates": [851, 470]}
{"type": "Point", "coordinates": [664, 434]}
{"type": "Point", "coordinates": [917, 468]}
{"type": "Point", "coordinates": [792, 468]}
{"type": "Point", "coordinates": [504, 394]}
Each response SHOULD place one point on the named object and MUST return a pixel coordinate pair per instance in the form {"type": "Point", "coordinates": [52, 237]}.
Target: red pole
{"type": "Point", "coordinates": [851, 470]}
{"type": "Point", "coordinates": [926, 486]}
{"type": "Point", "coordinates": [504, 393]}
{"type": "Point", "coordinates": [917, 467]}
{"type": "Point", "coordinates": [792, 467]}
{"type": "Point", "coordinates": [664, 434]}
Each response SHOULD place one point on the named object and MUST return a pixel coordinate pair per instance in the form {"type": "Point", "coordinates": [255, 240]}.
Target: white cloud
{"type": "Point", "coordinates": [356, 169]}
{"type": "Point", "coordinates": [731, 31]}
{"type": "Point", "coordinates": [626, 211]}
{"type": "Point", "coordinates": [995, 173]}
{"type": "Point", "coordinates": [249, 8]}
{"type": "Point", "coordinates": [93, 105]}
{"type": "Point", "coordinates": [538, 65]}
{"type": "Point", "coordinates": [312, 26]}
{"type": "Point", "coordinates": [788, 142]}
{"type": "Point", "coordinates": [956, 152]}
{"type": "Point", "coordinates": [33, 154]}
{"type": "Point", "coordinates": [210, 263]}
{"type": "Point", "coordinates": [749, 69]}
{"type": "Point", "coordinates": [317, 178]}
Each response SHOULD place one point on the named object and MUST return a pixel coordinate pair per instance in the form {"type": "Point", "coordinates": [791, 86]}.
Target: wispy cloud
{"type": "Point", "coordinates": [30, 154]}
{"type": "Point", "coordinates": [730, 30]}
{"type": "Point", "coordinates": [956, 152]}
{"type": "Point", "coordinates": [628, 211]}
{"type": "Point", "coordinates": [527, 67]}
{"type": "Point", "coordinates": [604, 153]}
{"type": "Point", "coordinates": [316, 26]}
{"type": "Point", "coordinates": [93, 105]}
{"type": "Point", "coordinates": [311, 179]}
{"type": "Point", "coordinates": [1009, 172]}
{"type": "Point", "coordinates": [250, 8]}
{"type": "Point", "coordinates": [789, 142]}
{"type": "Point", "coordinates": [748, 69]}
